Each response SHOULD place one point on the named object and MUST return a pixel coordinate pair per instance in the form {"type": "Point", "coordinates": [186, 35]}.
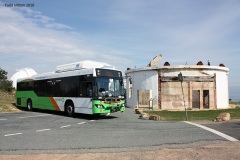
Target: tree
{"type": "Point", "coordinates": [3, 74]}
{"type": "Point", "coordinates": [5, 85]}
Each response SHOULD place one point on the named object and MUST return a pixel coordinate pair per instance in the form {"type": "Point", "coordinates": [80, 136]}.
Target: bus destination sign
{"type": "Point", "coordinates": [108, 73]}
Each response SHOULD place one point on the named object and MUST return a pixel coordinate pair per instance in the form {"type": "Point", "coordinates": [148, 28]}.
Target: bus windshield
{"type": "Point", "coordinates": [110, 87]}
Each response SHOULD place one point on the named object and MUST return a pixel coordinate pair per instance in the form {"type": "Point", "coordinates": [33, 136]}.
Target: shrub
{"type": "Point", "coordinates": [5, 84]}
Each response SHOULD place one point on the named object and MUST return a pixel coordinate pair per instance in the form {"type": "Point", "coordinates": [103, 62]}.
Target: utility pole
{"type": "Point", "coordinates": [180, 78]}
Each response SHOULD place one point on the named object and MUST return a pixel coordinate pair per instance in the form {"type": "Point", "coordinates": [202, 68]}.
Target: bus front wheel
{"type": "Point", "coordinates": [29, 105]}
{"type": "Point", "coordinates": [69, 109]}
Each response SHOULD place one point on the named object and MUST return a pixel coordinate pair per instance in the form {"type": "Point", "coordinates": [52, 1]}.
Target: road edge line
{"type": "Point", "coordinates": [213, 131]}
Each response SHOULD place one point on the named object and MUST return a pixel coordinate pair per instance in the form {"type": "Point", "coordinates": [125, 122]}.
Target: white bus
{"type": "Point", "coordinates": [83, 87]}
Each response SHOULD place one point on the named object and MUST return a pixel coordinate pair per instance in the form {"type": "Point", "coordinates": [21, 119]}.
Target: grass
{"type": "Point", "coordinates": [236, 103]}
{"type": "Point", "coordinates": [7, 101]}
{"type": "Point", "coordinates": [194, 115]}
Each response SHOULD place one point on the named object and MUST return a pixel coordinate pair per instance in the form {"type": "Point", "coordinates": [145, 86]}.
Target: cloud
{"type": "Point", "coordinates": [185, 28]}
{"type": "Point", "coordinates": [211, 31]}
{"type": "Point", "coordinates": [31, 39]}
{"type": "Point", "coordinates": [122, 33]}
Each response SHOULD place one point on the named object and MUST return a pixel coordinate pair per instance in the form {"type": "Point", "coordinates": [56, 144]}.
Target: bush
{"type": "Point", "coordinates": [5, 85]}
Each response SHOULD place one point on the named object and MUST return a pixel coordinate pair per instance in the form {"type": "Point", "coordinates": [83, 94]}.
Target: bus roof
{"type": "Point", "coordinates": [72, 69]}
{"type": "Point", "coordinates": [83, 65]}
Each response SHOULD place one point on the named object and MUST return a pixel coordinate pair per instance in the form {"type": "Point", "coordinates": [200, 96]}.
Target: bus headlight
{"type": "Point", "coordinates": [99, 106]}
{"type": "Point", "coordinates": [122, 105]}
{"type": "Point", "coordinates": [121, 97]}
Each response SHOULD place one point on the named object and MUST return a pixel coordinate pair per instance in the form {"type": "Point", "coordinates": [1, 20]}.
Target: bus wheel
{"type": "Point", "coordinates": [69, 109]}
{"type": "Point", "coordinates": [29, 105]}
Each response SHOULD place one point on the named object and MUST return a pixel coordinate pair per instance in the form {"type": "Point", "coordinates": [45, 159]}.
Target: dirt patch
{"type": "Point", "coordinates": [7, 102]}
{"type": "Point", "coordinates": [234, 105]}
{"type": "Point", "coordinates": [225, 150]}
{"type": "Point", "coordinates": [8, 108]}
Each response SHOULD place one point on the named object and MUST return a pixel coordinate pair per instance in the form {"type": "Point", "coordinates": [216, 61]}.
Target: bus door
{"type": "Point", "coordinates": [83, 103]}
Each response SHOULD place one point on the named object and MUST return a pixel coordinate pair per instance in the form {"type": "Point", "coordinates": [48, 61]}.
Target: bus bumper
{"type": "Point", "coordinates": [109, 109]}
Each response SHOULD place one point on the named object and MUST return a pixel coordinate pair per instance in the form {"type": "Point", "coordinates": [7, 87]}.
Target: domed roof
{"type": "Point", "coordinates": [22, 73]}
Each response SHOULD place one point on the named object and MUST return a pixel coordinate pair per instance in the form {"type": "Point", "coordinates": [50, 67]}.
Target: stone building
{"type": "Point", "coordinates": [201, 87]}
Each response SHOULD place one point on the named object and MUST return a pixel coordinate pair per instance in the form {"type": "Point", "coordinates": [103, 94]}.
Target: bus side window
{"type": "Point", "coordinates": [89, 89]}
{"type": "Point", "coordinates": [29, 86]}
{"type": "Point", "coordinates": [58, 88]}
{"type": "Point", "coordinates": [41, 87]}
{"type": "Point", "coordinates": [82, 89]}
{"type": "Point", "coordinates": [22, 86]}
{"type": "Point", "coordinates": [85, 86]}
{"type": "Point", "coordinates": [71, 86]}
{"type": "Point", "coordinates": [49, 88]}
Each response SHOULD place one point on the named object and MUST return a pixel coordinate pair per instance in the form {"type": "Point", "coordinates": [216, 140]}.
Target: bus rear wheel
{"type": "Point", "coordinates": [69, 109]}
{"type": "Point", "coordinates": [29, 105]}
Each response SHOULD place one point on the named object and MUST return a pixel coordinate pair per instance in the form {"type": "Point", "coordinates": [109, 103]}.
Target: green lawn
{"type": "Point", "coordinates": [194, 115]}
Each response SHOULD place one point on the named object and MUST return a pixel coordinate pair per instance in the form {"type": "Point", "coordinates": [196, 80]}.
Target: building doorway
{"type": "Point", "coordinates": [143, 98]}
{"type": "Point", "coordinates": [196, 99]}
{"type": "Point", "coordinates": [206, 99]}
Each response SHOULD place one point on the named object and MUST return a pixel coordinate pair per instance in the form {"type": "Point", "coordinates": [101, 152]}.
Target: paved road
{"type": "Point", "coordinates": [231, 128]}
{"type": "Point", "coordinates": [31, 132]}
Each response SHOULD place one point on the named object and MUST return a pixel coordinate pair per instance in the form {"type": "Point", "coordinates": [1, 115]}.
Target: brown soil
{"type": "Point", "coordinates": [8, 108]}
{"type": "Point", "coordinates": [7, 102]}
{"type": "Point", "coordinates": [226, 150]}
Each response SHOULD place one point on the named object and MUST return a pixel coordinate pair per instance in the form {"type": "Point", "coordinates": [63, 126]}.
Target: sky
{"type": "Point", "coordinates": [123, 33]}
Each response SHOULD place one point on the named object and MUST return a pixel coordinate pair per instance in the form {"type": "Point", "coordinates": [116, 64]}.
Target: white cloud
{"type": "Point", "coordinates": [178, 30]}
{"type": "Point", "coordinates": [214, 28]}
{"type": "Point", "coordinates": [30, 39]}
{"type": "Point", "coordinates": [124, 34]}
